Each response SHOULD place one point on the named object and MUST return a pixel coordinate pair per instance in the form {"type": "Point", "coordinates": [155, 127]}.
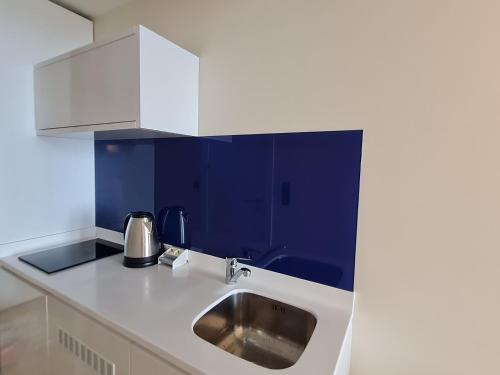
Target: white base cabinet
{"type": "Point", "coordinates": [81, 346]}
{"type": "Point", "coordinates": [143, 362]}
{"type": "Point", "coordinates": [138, 81]}
{"type": "Point", "coordinates": [41, 335]}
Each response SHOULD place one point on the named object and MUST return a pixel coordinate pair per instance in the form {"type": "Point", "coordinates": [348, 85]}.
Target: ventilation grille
{"type": "Point", "coordinates": [278, 308]}
{"type": "Point", "coordinates": [85, 354]}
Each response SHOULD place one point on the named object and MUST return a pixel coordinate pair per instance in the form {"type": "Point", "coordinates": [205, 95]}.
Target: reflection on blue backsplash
{"type": "Point", "coordinates": [287, 201]}
{"type": "Point", "coordinates": [124, 180]}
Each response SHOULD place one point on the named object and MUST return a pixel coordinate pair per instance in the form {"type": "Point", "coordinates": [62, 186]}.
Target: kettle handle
{"type": "Point", "coordinates": [125, 223]}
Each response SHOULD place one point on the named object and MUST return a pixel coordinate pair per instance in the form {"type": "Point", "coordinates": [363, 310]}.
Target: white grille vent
{"type": "Point", "coordinates": [88, 356]}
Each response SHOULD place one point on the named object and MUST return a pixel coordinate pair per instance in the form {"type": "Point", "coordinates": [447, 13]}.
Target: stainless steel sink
{"type": "Point", "coordinates": [269, 333]}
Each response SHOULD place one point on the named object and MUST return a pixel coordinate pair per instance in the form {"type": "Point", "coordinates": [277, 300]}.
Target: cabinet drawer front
{"type": "Point", "coordinates": [98, 86]}
{"type": "Point", "coordinates": [79, 345]}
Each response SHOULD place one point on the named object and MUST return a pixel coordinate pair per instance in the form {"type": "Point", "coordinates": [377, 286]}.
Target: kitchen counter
{"type": "Point", "coordinates": [156, 307]}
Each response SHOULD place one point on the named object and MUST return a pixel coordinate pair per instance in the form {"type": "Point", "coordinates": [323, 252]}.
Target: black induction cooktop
{"type": "Point", "coordinates": [68, 256]}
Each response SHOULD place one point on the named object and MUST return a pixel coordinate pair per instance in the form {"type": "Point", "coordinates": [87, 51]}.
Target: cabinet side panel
{"type": "Point", "coordinates": [23, 327]}
{"type": "Point", "coordinates": [168, 86]}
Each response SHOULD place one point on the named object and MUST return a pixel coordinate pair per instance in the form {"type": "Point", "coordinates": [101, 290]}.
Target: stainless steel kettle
{"type": "Point", "coordinates": [142, 247]}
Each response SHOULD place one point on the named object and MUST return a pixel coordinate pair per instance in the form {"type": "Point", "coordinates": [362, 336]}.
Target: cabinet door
{"type": "Point", "coordinates": [23, 327]}
{"type": "Point", "coordinates": [80, 346]}
{"type": "Point", "coordinates": [142, 362]}
{"type": "Point", "coordinates": [97, 86]}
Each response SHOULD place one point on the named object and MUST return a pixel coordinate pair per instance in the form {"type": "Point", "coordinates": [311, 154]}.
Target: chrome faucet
{"type": "Point", "coordinates": [232, 271]}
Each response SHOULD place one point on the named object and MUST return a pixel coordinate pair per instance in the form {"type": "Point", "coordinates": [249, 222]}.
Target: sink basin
{"type": "Point", "coordinates": [258, 329]}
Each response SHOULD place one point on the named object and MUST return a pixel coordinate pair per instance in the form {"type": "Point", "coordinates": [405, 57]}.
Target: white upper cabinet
{"type": "Point", "coordinates": [137, 81]}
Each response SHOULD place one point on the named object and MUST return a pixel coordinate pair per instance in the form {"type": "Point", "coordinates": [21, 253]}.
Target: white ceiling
{"type": "Point", "coordinates": [91, 8]}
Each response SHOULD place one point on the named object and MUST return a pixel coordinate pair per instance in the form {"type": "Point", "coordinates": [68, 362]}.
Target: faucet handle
{"type": "Point", "coordinates": [234, 260]}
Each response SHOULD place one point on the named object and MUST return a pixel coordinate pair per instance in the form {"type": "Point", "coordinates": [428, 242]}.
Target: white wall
{"type": "Point", "coordinates": [46, 184]}
{"type": "Point", "coordinates": [422, 78]}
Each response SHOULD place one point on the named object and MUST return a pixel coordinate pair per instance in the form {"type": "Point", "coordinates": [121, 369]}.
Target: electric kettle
{"type": "Point", "coordinates": [142, 247]}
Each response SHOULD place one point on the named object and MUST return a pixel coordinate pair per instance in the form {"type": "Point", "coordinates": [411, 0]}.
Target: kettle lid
{"type": "Point", "coordinates": [141, 214]}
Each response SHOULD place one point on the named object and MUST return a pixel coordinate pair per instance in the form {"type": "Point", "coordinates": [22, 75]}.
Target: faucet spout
{"type": "Point", "coordinates": [242, 271]}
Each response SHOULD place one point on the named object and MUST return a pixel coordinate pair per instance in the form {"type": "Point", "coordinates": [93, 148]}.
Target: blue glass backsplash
{"type": "Point", "coordinates": [287, 201]}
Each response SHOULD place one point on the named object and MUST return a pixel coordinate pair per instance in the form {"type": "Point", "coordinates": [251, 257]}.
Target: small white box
{"type": "Point", "coordinates": [174, 256]}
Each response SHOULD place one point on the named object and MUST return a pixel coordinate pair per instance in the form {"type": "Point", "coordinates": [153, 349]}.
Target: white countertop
{"type": "Point", "coordinates": [156, 307]}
